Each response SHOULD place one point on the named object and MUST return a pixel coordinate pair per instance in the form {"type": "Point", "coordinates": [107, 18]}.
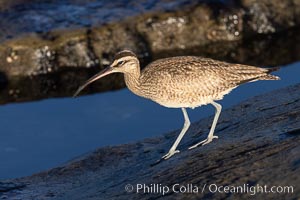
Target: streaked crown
{"type": "Point", "coordinates": [124, 53]}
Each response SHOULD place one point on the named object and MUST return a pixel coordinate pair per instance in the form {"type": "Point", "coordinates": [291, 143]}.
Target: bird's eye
{"type": "Point", "coordinates": [121, 62]}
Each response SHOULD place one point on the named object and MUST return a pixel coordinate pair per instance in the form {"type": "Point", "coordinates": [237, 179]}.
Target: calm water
{"type": "Point", "coordinates": [39, 135]}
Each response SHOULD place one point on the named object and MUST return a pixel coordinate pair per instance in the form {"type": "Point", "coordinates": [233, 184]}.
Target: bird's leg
{"type": "Point", "coordinates": [186, 125]}
{"type": "Point", "coordinates": [211, 135]}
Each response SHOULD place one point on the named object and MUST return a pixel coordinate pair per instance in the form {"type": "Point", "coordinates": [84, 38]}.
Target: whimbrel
{"type": "Point", "coordinates": [183, 82]}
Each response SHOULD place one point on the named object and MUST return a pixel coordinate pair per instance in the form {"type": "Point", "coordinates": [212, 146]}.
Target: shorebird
{"type": "Point", "coordinates": [183, 82]}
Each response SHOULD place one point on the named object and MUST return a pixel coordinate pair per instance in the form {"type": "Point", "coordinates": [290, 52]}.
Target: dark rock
{"type": "Point", "coordinates": [258, 145]}
{"type": "Point", "coordinates": [3, 80]}
{"type": "Point", "coordinates": [270, 16]}
{"type": "Point", "coordinates": [7, 186]}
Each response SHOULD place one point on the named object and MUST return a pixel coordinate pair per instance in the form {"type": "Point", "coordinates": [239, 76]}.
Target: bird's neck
{"type": "Point", "coordinates": [132, 81]}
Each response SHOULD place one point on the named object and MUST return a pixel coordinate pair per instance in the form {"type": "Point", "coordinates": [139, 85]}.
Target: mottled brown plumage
{"type": "Point", "coordinates": [183, 82]}
{"type": "Point", "coordinates": [189, 81]}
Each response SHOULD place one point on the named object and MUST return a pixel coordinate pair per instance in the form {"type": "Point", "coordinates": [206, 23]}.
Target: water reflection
{"type": "Point", "coordinates": [39, 135]}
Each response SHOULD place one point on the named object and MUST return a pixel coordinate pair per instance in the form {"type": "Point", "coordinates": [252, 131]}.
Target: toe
{"type": "Point", "coordinates": [170, 154]}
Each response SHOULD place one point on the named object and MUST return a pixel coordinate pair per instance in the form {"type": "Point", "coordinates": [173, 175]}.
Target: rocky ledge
{"type": "Point", "coordinates": [258, 145]}
{"type": "Point", "coordinates": [37, 65]}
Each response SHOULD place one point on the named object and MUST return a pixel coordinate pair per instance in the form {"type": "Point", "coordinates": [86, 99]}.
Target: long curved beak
{"type": "Point", "coordinates": [99, 75]}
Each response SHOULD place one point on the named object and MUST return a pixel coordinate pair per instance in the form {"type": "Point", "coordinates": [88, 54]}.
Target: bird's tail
{"type": "Point", "coordinates": [270, 76]}
{"type": "Point", "coordinates": [263, 75]}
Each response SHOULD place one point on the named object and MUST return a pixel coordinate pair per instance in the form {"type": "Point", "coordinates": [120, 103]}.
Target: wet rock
{"type": "Point", "coordinates": [258, 145]}
{"type": "Point", "coordinates": [108, 40]}
{"type": "Point", "coordinates": [193, 27]}
{"type": "Point", "coordinates": [7, 186]}
{"type": "Point", "coordinates": [36, 55]}
{"type": "Point", "coordinates": [270, 16]}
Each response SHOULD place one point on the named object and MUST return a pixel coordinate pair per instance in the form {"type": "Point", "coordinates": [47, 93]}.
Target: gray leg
{"type": "Point", "coordinates": [211, 135]}
{"type": "Point", "coordinates": [186, 125]}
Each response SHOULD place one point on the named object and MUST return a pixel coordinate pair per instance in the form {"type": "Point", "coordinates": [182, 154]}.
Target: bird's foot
{"type": "Point", "coordinates": [204, 142]}
{"type": "Point", "coordinates": [170, 154]}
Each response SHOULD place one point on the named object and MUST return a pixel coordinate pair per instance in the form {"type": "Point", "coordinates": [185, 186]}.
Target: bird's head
{"type": "Point", "coordinates": [124, 62]}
